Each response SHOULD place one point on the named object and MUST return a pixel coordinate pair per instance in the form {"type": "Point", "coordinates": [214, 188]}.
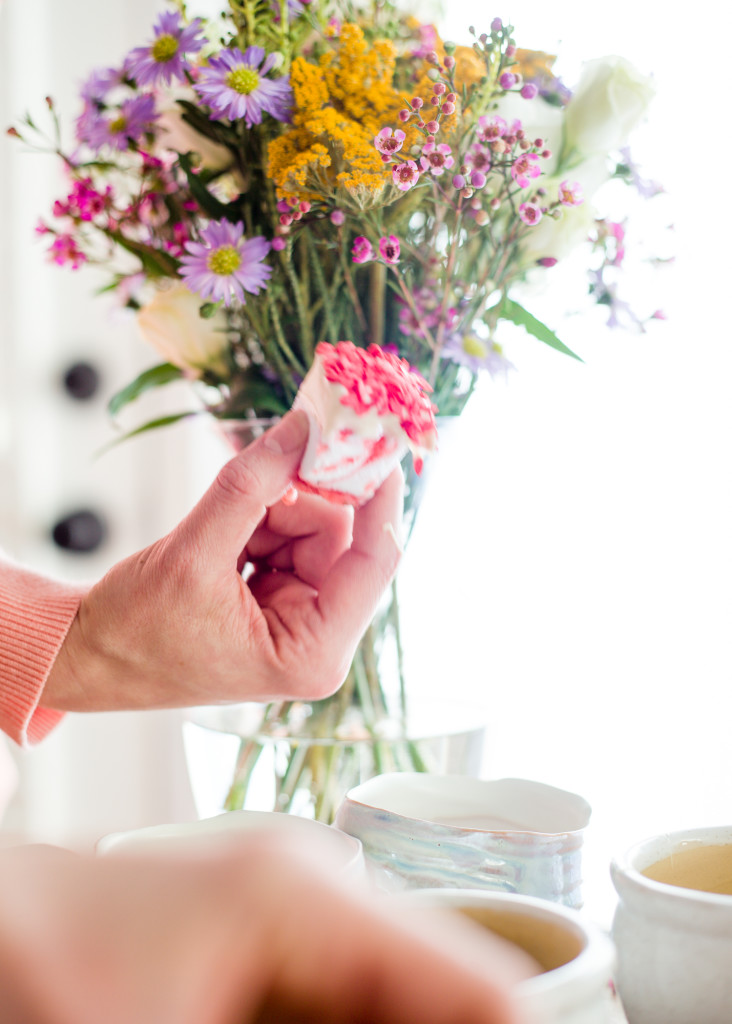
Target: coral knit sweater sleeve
{"type": "Point", "coordinates": [35, 616]}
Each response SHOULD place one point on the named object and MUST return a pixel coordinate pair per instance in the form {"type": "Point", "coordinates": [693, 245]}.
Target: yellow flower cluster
{"type": "Point", "coordinates": [340, 105]}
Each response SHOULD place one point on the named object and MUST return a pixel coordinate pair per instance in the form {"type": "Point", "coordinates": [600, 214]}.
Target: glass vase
{"type": "Point", "coordinates": [302, 757]}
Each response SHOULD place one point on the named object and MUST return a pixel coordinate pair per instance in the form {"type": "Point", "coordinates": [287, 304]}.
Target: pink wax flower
{"type": "Point", "coordinates": [405, 175]}
{"type": "Point", "coordinates": [530, 213]}
{"type": "Point", "coordinates": [436, 158]}
{"type": "Point", "coordinates": [337, 217]}
{"type": "Point", "coordinates": [491, 128]}
{"type": "Point", "coordinates": [478, 158]}
{"type": "Point", "coordinates": [362, 250]}
{"type": "Point", "coordinates": [524, 168]}
{"type": "Point", "coordinates": [388, 141]}
{"type": "Point", "coordinates": [570, 193]}
{"type": "Point", "coordinates": [389, 248]}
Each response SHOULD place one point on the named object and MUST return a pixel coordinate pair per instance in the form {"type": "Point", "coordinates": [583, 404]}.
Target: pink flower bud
{"type": "Point", "coordinates": [529, 91]}
{"type": "Point", "coordinates": [337, 217]}
{"type": "Point", "coordinates": [278, 244]}
{"type": "Point", "coordinates": [404, 115]}
{"type": "Point", "coordinates": [458, 181]}
{"type": "Point", "coordinates": [449, 63]}
{"type": "Point", "coordinates": [448, 107]}
{"type": "Point", "coordinates": [432, 127]}
{"type": "Point", "coordinates": [417, 103]}
{"type": "Point", "coordinates": [477, 179]}
{"type": "Point", "coordinates": [439, 88]}
{"type": "Point", "coordinates": [507, 80]}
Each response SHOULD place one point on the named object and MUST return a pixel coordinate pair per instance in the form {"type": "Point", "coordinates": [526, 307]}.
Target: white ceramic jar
{"type": "Point", "coordinates": [575, 956]}
{"type": "Point", "coordinates": [434, 831]}
{"type": "Point", "coordinates": [674, 942]}
{"type": "Point", "coordinates": [345, 851]}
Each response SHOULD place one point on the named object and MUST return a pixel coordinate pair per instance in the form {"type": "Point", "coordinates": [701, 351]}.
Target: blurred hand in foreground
{"type": "Point", "coordinates": [235, 934]}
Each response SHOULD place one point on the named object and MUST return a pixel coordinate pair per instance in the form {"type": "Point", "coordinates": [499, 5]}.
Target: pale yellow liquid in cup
{"type": "Point", "coordinates": [694, 866]}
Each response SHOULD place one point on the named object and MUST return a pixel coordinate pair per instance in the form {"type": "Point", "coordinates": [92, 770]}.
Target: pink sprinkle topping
{"type": "Point", "coordinates": [379, 380]}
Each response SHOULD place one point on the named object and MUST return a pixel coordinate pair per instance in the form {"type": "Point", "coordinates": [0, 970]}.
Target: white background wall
{"type": "Point", "coordinates": [572, 574]}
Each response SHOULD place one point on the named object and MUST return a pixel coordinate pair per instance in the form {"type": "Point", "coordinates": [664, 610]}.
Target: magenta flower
{"type": "Point", "coordinates": [389, 142]}
{"type": "Point", "coordinates": [164, 58]}
{"type": "Point", "coordinates": [225, 264]}
{"type": "Point", "coordinates": [119, 128]}
{"type": "Point", "coordinates": [234, 86]}
{"type": "Point", "coordinates": [530, 213]}
{"type": "Point", "coordinates": [83, 202]}
{"type": "Point", "coordinates": [524, 168]}
{"type": "Point", "coordinates": [389, 248]}
{"type": "Point", "coordinates": [64, 250]}
{"type": "Point", "coordinates": [570, 193]}
{"type": "Point", "coordinates": [362, 251]}
{"type": "Point", "coordinates": [507, 80]}
{"type": "Point", "coordinates": [405, 175]}
{"type": "Point", "coordinates": [436, 158]}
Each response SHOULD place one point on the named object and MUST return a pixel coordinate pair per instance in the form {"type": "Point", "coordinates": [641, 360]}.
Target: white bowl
{"type": "Point", "coordinates": [436, 831]}
{"type": "Point", "coordinates": [167, 839]}
{"type": "Point", "coordinates": [674, 943]}
{"type": "Point", "coordinates": [577, 957]}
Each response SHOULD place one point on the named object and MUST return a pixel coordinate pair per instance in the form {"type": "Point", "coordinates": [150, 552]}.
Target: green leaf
{"type": "Point", "coordinates": [516, 314]}
{"type": "Point", "coordinates": [208, 202]}
{"type": "Point", "coordinates": [153, 378]}
{"type": "Point", "coordinates": [154, 262]}
{"type": "Point", "coordinates": [162, 421]}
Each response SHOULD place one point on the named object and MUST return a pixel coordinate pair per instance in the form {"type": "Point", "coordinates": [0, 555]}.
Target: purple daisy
{"type": "Point", "coordinates": [164, 58]}
{"type": "Point", "coordinates": [99, 83]}
{"type": "Point", "coordinates": [118, 128]}
{"type": "Point", "coordinates": [234, 86]}
{"type": "Point", "coordinates": [476, 354]}
{"type": "Point", "coordinates": [225, 264]}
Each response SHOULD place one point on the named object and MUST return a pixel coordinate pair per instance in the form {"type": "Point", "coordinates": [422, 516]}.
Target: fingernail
{"type": "Point", "coordinates": [287, 435]}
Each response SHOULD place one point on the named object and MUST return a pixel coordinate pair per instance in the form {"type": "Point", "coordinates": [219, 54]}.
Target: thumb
{"type": "Point", "coordinates": [220, 525]}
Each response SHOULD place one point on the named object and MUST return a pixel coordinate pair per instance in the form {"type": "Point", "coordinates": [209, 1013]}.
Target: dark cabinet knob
{"type": "Point", "coordinates": [81, 381]}
{"type": "Point", "coordinates": [83, 532]}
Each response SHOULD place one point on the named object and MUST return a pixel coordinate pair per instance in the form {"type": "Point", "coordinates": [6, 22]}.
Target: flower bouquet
{"type": "Point", "coordinates": [296, 173]}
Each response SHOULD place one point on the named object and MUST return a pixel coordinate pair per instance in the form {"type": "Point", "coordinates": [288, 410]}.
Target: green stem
{"type": "Point", "coordinates": [249, 751]}
{"type": "Point", "coordinates": [281, 339]}
{"type": "Point", "coordinates": [377, 287]}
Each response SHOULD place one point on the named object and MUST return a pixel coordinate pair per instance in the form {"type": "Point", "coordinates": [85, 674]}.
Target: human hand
{"type": "Point", "coordinates": [246, 933]}
{"type": "Point", "coordinates": [177, 625]}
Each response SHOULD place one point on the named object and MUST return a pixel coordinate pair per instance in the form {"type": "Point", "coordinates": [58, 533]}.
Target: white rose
{"type": "Point", "coordinates": [539, 119]}
{"type": "Point", "coordinates": [610, 99]}
{"type": "Point", "coordinates": [171, 323]}
{"type": "Point", "coordinates": [177, 135]}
